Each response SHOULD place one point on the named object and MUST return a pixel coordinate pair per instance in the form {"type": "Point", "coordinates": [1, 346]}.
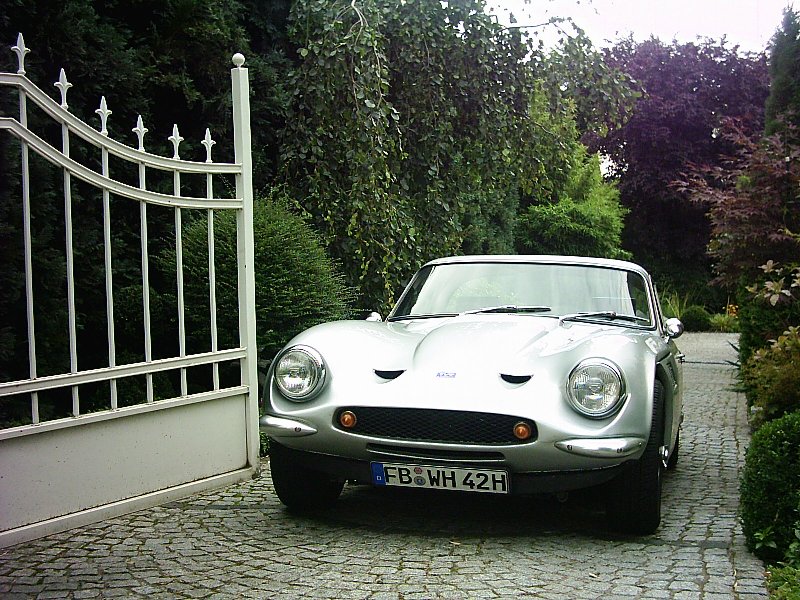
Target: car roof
{"type": "Point", "coordinates": [543, 259]}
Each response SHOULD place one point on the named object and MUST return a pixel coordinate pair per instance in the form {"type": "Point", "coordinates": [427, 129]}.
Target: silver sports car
{"type": "Point", "coordinates": [493, 374]}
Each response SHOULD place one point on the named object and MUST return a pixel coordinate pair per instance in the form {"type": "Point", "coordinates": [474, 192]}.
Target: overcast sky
{"type": "Point", "coordinates": [747, 23]}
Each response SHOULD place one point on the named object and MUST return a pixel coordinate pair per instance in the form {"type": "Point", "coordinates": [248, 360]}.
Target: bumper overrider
{"type": "Point", "coordinates": [282, 430]}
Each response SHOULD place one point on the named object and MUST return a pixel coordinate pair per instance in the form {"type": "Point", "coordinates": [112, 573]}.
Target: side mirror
{"type": "Point", "coordinates": [674, 328]}
{"type": "Point", "coordinates": [373, 316]}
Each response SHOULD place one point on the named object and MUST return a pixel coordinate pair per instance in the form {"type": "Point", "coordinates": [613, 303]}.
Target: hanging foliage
{"type": "Point", "coordinates": [415, 128]}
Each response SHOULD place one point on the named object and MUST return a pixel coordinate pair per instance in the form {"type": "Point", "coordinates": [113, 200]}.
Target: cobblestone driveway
{"type": "Point", "coordinates": [240, 543]}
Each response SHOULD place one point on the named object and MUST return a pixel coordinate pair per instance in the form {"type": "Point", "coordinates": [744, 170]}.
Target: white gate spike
{"type": "Point", "coordinates": [20, 51]}
{"type": "Point", "coordinates": [63, 85]}
{"type": "Point", "coordinates": [176, 140]}
{"type": "Point", "coordinates": [208, 142]}
{"type": "Point", "coordinates": [140, 130]}
{"type": "Point", "coordinates": [104, 114]}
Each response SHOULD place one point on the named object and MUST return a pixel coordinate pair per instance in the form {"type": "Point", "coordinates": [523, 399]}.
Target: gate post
{"type": "Point", "coordinates": [245, 250]}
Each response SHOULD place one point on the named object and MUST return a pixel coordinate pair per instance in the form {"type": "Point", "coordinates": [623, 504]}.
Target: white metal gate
{"type": "Point", "coordinates": [65, 472]}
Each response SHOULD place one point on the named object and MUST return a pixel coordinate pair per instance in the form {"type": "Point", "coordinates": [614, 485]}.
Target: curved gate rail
{"type": "Point", "coordinates": [66, 472]}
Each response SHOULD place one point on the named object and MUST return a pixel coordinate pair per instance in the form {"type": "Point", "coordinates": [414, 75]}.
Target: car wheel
{"type": "Point", "coordinates": [672, 461]}
{"type": "Point", "coordinates": [635, 503]}
{"type": "Point", "coordinates": [297, 486]}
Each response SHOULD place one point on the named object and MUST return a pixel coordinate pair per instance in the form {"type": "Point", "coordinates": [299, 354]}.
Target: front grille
{"type": "Point", "coordinates": [428, 425]}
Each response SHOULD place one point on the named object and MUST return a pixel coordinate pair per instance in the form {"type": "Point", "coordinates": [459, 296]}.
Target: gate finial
{"type": "Point", "coordinates": [140, 130]}
{"type": "Point", "coordinates": [176, 140]}
{"type": "Point", "coordinates": [20, 51]}
{"type": "Point", "coordinates": [238, 60]}
{"type": "Point", "coordinates": [63, 85]}
{"type": "Point", "coordinates": [104, 113]}
{"type": "Point", "coordinates": [208, 142]}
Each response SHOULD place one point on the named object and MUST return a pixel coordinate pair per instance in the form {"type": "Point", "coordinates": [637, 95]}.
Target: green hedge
{"type": "Point", "coordinates": [770, 488]}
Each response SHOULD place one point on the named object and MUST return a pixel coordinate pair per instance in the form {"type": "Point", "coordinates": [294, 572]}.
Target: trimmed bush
{"type": "Point", "coordinates": [696, 318]}
{"type": "Point", "coordinates": [770, 488]}
{"type": "Point", "coordinates": [297, 284]}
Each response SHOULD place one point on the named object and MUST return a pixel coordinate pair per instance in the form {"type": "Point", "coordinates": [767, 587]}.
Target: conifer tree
{"type": "Point", "coordinates": [784, 97]}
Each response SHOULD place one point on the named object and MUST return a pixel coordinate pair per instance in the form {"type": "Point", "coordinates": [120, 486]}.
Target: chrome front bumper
{"type": "Point", "coordinates": [621, 447]}
{"type": "Point", "coordinates": [282, 427]}
{"type": "Point", "coordinates": [602, 447]}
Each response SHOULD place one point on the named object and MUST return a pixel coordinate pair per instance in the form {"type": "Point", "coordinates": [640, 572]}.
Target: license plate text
{"type": "Point", "coordinates": [443, 478]}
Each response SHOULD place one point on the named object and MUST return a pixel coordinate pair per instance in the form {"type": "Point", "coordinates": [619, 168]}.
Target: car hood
{"type": "Point", "coordinates": [465, 345]}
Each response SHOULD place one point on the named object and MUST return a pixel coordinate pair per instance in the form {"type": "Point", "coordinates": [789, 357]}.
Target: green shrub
{"type": "Point", "coordinates": [771, 377]}
{"type": "Point", "coordinates": [784, 583]}
{"type": "Point", "coordinates": [696, 318]}
{"type": "Point", "coordinates": [770, 488]}
{"type": "Point", "coordinates": [724, 323]}
{"type": "Point", "coordinates": [297, 284]}
{"type": "Point", "coordinates": [760, 321]}
{"type": "Point", "coordinates": [586, 220]}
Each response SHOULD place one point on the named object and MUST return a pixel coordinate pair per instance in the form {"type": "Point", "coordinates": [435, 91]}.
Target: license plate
{"type": "Point", "coordinates": [440, 478]}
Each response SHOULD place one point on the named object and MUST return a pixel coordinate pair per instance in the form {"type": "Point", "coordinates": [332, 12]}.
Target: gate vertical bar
{"type": "Point", "coordinates": [212, 292]}
{"type": "Point", "coordinates": [246, 250]}
{"type": "Point", "coordinates": [112, 351]}
{"type": "Point", "coordinates": [212, 273]}
{"type": "Point", "coordinates": [73, 344]}
{"type": "Point", "coordinates": [176, 140]}
{"type": "Point", "coordinates": [140, 130]}
{"type": "Point", "coordinates": [21, 51]}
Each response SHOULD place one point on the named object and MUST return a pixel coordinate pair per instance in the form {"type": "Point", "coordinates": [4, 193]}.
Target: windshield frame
{"type": "Point", "coordinates": [421, 278]}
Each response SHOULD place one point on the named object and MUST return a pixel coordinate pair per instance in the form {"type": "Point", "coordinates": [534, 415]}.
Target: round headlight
{"type": "Point", "coordinates": [595, 388]}
{"type": "Point", "coordinates": [299, 373]}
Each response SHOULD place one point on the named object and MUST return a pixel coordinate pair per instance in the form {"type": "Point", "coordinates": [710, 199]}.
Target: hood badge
{"type": "Point", "coordinates": [445, 375]}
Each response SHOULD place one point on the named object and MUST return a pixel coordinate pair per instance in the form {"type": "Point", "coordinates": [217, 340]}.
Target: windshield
{"type": "Point", "coordinates": [547, 289]}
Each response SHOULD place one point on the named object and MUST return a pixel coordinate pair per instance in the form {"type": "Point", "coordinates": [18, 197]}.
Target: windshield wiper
{"type": "Point", "coordinates": [508, 308]}
{"type": "Point", "coordinates": [412, 317]}
{"type": "Point", "coordinates": [603, 314]}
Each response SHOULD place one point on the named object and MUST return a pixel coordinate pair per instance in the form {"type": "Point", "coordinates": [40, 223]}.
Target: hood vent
{"type": "Point", "coordinates": [515, 379]}
{"type": "Point", "coordinates": [388, 375]}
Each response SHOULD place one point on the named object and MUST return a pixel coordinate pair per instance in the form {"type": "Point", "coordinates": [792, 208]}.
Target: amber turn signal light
{"type": "Point", "coordinates": [522, 431]}
{"type": "Point", "coordinates": [347, 419]}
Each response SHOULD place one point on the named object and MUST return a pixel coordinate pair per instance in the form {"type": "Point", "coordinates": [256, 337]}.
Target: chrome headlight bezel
{"type": "Point", "coordinates": [607, 388]}
{"type": "Point", "coordinates": [303, 363]}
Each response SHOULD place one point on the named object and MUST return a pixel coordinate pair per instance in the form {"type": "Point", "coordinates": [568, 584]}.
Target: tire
{"type": "Point", "coordinates": [297, 486]}
{"type": "Point", "coordinates": [634, 506]}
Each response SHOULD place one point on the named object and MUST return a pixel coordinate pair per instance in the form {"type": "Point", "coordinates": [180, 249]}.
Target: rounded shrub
{"type": "Point", "coordinates": [297, 284]}
{"type": "Point", "coordinates": [770, 488]}
{"type": "Point", "coordinates": [696, 318]}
